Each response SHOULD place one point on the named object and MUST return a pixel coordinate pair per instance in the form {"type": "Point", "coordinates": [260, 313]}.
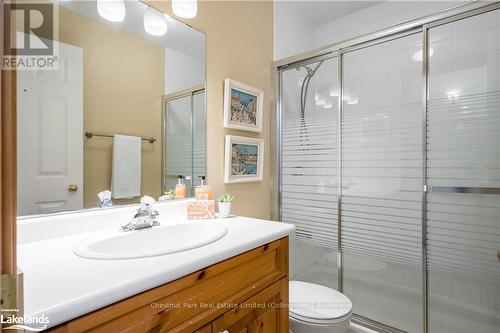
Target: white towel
{"type": "Point", "coordinates": [126, 168]}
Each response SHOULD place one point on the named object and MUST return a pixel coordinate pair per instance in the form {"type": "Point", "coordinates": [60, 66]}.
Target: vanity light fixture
{"type": "Point", "coordinates": [155, 22]}
{"type": "Point", "coordinates": [185, 8]}
{"type": "Point", "coordinates": [111, 10]}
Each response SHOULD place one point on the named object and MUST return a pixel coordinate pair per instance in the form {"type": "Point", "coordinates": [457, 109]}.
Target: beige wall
{"type": "Point", "coordinates": [239, 40]}
{"type": "Point", "coordinates": [122, 93]}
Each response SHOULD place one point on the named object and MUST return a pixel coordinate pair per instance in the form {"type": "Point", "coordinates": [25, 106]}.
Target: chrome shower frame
{"type": "Point", "coordinates": [420, 25]}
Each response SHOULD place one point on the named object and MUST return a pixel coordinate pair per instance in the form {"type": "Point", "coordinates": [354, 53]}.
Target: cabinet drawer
{"type": "Point", "coordinates": [191, 302]}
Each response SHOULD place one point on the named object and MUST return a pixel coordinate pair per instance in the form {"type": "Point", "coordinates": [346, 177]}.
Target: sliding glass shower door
{"type": "Point", "coordinates": [381, 216]}
{"type": "Point", "coordinates": [309, 168]}
{"type": "Point", "coordinates": [402, 175]}
{"type": "Point", "coordinates": [463, 158]}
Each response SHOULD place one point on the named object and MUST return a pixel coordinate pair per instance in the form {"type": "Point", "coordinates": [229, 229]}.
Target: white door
{"type": "Point", "coordinates": [50, 136]}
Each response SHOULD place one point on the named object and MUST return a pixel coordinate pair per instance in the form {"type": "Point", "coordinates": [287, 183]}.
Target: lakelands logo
{"type": "Point", "coordinates": [33, 324]}
{"type": "Point", "coordinates": [30, 29]}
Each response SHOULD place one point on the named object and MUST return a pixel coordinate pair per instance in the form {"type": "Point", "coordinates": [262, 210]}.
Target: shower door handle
{"type": "Point", "coordinates": [464, 189]}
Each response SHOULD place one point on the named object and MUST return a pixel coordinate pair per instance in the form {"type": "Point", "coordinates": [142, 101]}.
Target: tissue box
{"type": "Point", "coordinates": [201, 210]}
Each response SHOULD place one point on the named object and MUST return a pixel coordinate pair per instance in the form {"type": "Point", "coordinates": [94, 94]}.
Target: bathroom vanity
{"type": "Point", "coordinates": [237, 282]}
{"type": "Point", "coordinates": [245, 291]}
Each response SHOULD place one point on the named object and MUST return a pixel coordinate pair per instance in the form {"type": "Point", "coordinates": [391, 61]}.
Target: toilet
{"type": "Point", "coordinates": [318, 309]}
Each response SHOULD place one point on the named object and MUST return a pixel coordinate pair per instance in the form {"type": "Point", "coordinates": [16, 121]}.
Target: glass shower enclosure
{"type": "Point", "coordinates": [389, 167]}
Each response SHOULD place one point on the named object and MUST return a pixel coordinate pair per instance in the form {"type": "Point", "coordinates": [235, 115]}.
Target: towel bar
{"type": "Point", "coordinates": [90, 135]}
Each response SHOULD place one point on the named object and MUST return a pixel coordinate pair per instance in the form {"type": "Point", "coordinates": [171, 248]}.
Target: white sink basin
{"type": "Point", "coordinates": [151, 242]}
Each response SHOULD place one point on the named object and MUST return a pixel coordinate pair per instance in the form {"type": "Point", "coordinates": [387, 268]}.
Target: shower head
{"type": "Point", "coordinates": [305, 85]}
{"type": "Point", "coordinates": [310, 72]}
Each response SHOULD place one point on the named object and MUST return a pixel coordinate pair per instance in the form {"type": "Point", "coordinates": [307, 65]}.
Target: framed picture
{"type": "Point", "coordinates": [242, 106]}
{"type": "Point", "coordinates": [244, 159]}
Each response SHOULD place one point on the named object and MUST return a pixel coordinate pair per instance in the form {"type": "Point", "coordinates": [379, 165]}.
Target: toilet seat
{"type": "Point", "coordinates": [317, 304]}
{"type": "Point", "coordinates": [326, 322]}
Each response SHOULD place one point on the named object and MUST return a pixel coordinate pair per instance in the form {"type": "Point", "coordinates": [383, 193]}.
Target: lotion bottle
{"type": "Point", "coordinates": [203, 191]}
{"type": "Point", "coordinates": [180, 188]}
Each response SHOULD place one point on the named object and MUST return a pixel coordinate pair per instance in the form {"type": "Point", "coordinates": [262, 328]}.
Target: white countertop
{"type": "Point", "coordinates": [63, 286]}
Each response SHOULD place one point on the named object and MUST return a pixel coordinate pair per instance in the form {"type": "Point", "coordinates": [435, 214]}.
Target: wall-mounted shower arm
{"type": "Point", "coordinates": [305, 86]}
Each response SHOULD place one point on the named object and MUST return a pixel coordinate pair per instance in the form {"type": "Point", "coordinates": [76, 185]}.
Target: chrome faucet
{"type": "Point", "coordinates": [145, 216]}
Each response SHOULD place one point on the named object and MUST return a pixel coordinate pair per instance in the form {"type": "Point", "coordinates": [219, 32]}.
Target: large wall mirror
{"type": "Point", "coordinates": [124, 111]}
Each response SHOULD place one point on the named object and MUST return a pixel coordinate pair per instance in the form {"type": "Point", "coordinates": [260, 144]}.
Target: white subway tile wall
{"type": "Point", "coordinates": [295, 34]}
{"type": "Point", "coordinates": [375, 18]}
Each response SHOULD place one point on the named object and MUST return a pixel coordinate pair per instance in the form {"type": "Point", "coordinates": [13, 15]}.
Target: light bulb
{"type": "Point", "coordinates": [155, 22]}
{"type": "Point", "coordinates": [185, 8]}
{"type": "Point", "coordinates": [111, 10]}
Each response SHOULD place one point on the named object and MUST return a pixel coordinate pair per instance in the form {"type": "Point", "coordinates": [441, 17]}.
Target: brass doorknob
{"type": "Point", "coordinates": [72, 187]}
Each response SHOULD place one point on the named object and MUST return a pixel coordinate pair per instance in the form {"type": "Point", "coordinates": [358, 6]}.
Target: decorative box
{"type": "Point", "coordinates": [201, 210]}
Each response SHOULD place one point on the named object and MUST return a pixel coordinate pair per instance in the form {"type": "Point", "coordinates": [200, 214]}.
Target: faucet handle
{"type": "Point", "coordinates": [147, 200]}
{"type": "Point", "coordinates": [145, 216]}
{"type": "Point", "coordinates": [147, 204]}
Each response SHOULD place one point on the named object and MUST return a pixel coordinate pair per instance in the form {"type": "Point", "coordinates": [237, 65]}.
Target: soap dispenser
{"type": "Point", "coordinates": [180, 188]}
{"type": "Point", "coordinates": [203, 191]}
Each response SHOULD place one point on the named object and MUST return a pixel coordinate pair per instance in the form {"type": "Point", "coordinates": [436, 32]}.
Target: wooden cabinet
{"type": "Point", "coordinates": [205, 329]}
{"type": "Point", "coordinates": [262, 313]}
{"type": "Point", "coordinates": [246, 293]}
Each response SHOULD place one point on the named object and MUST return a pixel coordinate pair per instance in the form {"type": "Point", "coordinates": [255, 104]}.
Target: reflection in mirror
{"type": "Point", "coordinates": [185, 137]}
{"type": "Point", "coordinates": [95, 123]}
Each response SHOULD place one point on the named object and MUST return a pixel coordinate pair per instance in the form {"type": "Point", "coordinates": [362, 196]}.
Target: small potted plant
{"type": "Point", "coordinates": [169, 195]}
{"type": "Point", "coordinates": [224, 203]}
